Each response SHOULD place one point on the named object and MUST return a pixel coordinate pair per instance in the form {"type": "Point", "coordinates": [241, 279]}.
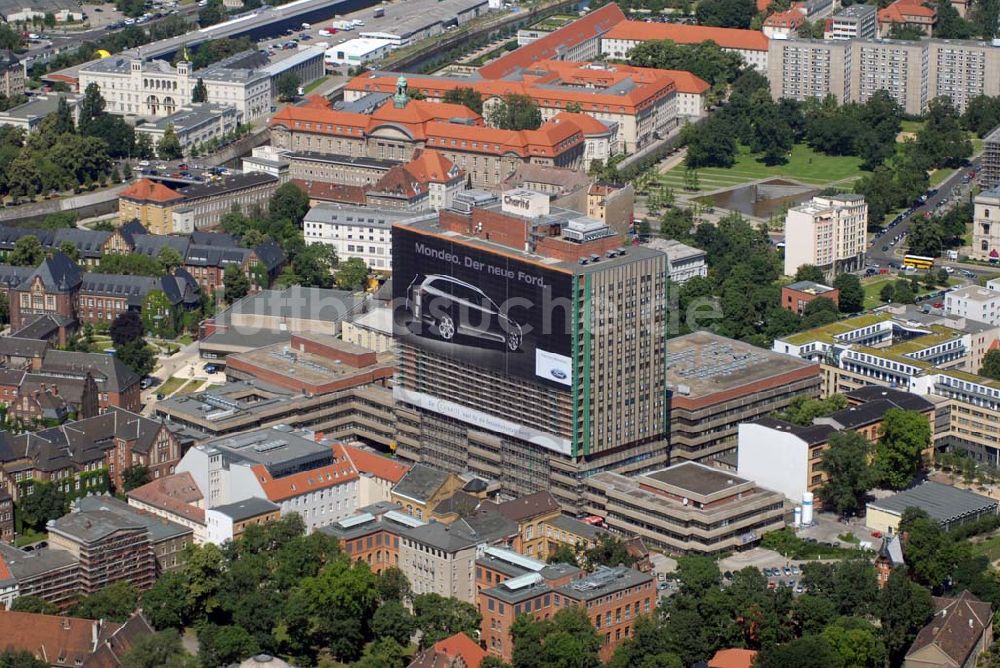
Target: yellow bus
{"type": "Point", "coordinates": [918, 262]}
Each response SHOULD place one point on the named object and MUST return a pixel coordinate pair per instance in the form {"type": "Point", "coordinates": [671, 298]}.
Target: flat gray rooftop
{"type": "Point", "coordinates": [697, 478]}
{"type": "Point", "coordinates": [943, 503]}
{"type": "Point", "coordinates": [270, 447]}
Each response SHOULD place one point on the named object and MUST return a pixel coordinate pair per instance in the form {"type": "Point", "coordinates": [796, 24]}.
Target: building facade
{"type": "Point", "coordinates": [986, 225]}
{"type": "Point", "coordinates": [827, 232]}
{"type": "Point", "coordinates": [751, 45]}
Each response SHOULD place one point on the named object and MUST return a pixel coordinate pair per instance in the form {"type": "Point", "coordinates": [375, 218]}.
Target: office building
{"type": "Point", "coordinates": [12, 75]}
{"type": "Point", "coordinates": [717, 383]}
{"type": "Point", "coordinates": [975, 303]}
{"type": "Point", "coordinates": [634, 105]}
{"type": "Point", "coordinates": [371, 330]}
{"type": "Point", "coordinates": [986, 223]}
{"type": "Point", "coordinates": [751, 45]}
{"type": "Point", "coordinates": [379, 474]}
{"type": "Point", "coordinates": [194, 125]}
{"type": "Point", "coordinates": [827, 232]}
{"type": "Point", "coordinates": [228, 521]}
{"type": "Point", "coordinates": [949, 506]}
{"type": "Point", "coordinates": [487, 155]}
{"type": "Point", "coordinates": [794, 297]}
{"type": "Point", "coordinates": [166, 210]}
{"type": "Point", "coordinates": [269, 160]}
{"type": "Point", "coordinates": [50, 574]}
{"type": "Point", "coordinates": [29, 115]}
{"type": "Point", "coordinates": [168, 539]}
{"type": "Point", "coordinates": [287, 468]}
{"type": "Point", "coordinates": [687, 508]}
{"type": "Point", "coordinates": [488, 398]}
{"type": "Point", "coordinates": [109, 547]}
{"type": "Point", "coordinates": [686, 262]}
{"type": "Point", "coordinates": [354, 231]}
{"type": "Point", "coordinates": [853, 22]}
{"type": "Point", "coordinates": [612, 597]}
{"type": "Point", "coordinates": [175, 498]}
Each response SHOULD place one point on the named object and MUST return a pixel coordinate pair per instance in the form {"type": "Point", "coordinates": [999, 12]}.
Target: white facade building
{"type": "Point", "coordinates": [359, 51]}
{"type": "Point", "coordinates": [975, 303]}
{"type": "Point", "coordinates": [318, 482]}
{"type": "Point", "coordinates": [354, 231]}
{"type": "Point", "coordinates": [686, 262]}
{"type": "Point", "coordinates": [828, 232]}
{"type": "Point", "coordinates": [776, 455]}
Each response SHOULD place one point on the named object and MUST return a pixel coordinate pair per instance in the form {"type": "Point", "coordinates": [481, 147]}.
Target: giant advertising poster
{"type": "Point", "coordinates": [482, 308]}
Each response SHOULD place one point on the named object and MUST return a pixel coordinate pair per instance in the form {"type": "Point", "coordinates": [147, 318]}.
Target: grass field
{"type": "Point", "coordinates": [190, 387]}
{"type": "Point", "coordinates": [314, 85]}
{"type": "Point", "coordinates": [170, 385]}
{"type": "Point", "coordinates": [989, 548]}
{"type": "Point", "coordinates": [872, 290]}
{"type": "Point", "coordinates": [804, 164]}
{"type": "Point", "coordinates": [29, 536]}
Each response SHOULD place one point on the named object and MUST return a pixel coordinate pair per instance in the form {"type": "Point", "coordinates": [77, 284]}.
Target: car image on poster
{"type": "Point", "coordinates": [489, 310]}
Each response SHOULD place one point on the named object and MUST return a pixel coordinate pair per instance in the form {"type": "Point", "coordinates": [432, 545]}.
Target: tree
{"type": "Point", "coordinates": [991, 365]}
{"type": "Point", "coordinates": [115, 602]}
{"type": "Point", "coordinates": [806, 651]}
{"type": "Point", "coordinates": [352, 274]}
{"type": "Point", "coordinates": [45, 502]}
{"type": "Point", "coordinates": [236, 282]}
{"type": "Point", "coordinates": [159, 650]}
{"type": "Point", "coordinates": [438, 617]}
{"type": "Point", "coordinates": [812, 613]}
{"type": "Point", "coordinates": [904, 607]}
{"type": "Point", "coordinates": [468, 97]}
{"type": "Point", "coordinates": [902, 293]}
{"type": "Point", "coordinates": [90, 108]}
{"type": "Point", "coordinates": [125, 328]}
{"type": "Point", "coordinates": [200, 91]}
{"type": "Point", "coordinates": [726, 13]}
{"type": "Point", "coordinates": [63, 117]}
{"type": "Point", "coordinates": [927, 547]}
{"type": "Point", "coordinates": [564, 554]}
{"type": "Point", "coordinates": [289, 202]}
{"type": "Point", "coordinates": [393, 586]}
{"type": "Point", "coordinates": [169, 147]}
{"type": "Point", "coordinates": [288, 86]}
{"type": "Point", "coordinates": [138, 356]}
{"type": "Point", "coordinates": [852, 295]}
{"type": "Point", "coordinates": [211, 14]}
{"type": "Point", "coordinates": [697, 574]}
{"type": "Point", "coordinates": [27, 252]}
{"type": "Point", "coordinates": [856, 642]}
{"type": "Point", "coordinates": [393, 620]}
{"type": "Point", "coordinates": [607, 551]}
{"type": "Point", "coordinates": [710, 144]}
{"type": "Point", "coordinates": [850, 476]}
{"type": "Point", "coordinates": [170, 258]}
{"type": "Point", "coordinates": [34, 604]}
{"type": "Point", "coordinates": [158, 315]}
{"type": "Point", "coordinates": [566, 640]}
{"type": "Point", "coordinates": [20, 659]}
{"type": "Point", "coordinates": [225, 645]}
{"type": "Point", "coordinates": [903, 436]}
{"type": "Point", "coordinates": [515, 112]}
{"type": "Point", "coordinates": [809, 272]}
{"type": "Point", "coordinates": [383, 653]}
{"type": "Point", "coordinates": [135, 476]}
{"type": "Point", "coordinates": [818, 312]}
{"type": "Point", "coordinates": [165, 604]}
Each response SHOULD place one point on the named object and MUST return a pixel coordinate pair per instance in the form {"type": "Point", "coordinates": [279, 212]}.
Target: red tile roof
{"type": "Point", "coordinates": [687, 82]}
{"type": "Point", "coordinates": [728, 38]}
{"type": "Point", "coordinates": [733, 658]}
{"type": "Point", "coordinates": [792, 18]}
{"type": "Point", "coordinates": [461, 646]}
{"type": "Point", "coordinates": [956, 627]}
{"type": "Point", "coordinates": [553, 45]}
{"type": "Point", "coordinates": [332, 192]}
{"type": "Point", "coordinates": [903, 11]}
{"type": "Point", "coordinates": [432, 167]}
{"type": "Point", "coordinates": [145, 190]}
{"type": "Point", "coordinates": [290, 486]}
{"type": "Point", "coordinates": [58, 641]}
{"type": "Point", "coordinates": [175, 494]}
{"type": "Point", "coordinates": [589, 124]}
{"type": "Point", "coordinates": [376, 465]}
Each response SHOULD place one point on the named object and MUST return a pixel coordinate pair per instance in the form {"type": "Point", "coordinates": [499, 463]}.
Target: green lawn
{"type": "Point", "coordinates": [872, 290]}
{"type": "Point", "coordinates": [29, 536]}
{"type": "Point", "coordinates": [191, 387]}
{"type": "Point", "coordinates": [315, 84]}
{"type": "Point", "coordinates": [172, 384]}
{"type": "Point", "coordinates": [804, 164]}
{"type": "Point", "coordinates": [989, 548]}
{"type": "Point", "coordinates": [911, 126]}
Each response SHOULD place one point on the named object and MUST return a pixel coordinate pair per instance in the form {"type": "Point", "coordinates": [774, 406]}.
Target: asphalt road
{"type": "Point", "coordinates": [876, 255]}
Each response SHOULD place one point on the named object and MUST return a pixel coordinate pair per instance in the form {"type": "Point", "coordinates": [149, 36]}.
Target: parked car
{"type": "Point", "coordinates": [210, 368]}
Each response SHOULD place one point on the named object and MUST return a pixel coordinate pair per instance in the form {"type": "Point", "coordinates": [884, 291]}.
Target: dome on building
{"type": "Point", "coordinates": [265, 661]}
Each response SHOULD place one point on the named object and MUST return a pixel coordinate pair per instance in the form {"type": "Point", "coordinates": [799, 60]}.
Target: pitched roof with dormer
{"type": "Point", "coordinates": [145, 191]}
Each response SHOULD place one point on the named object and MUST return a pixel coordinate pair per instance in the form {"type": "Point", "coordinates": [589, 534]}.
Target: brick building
{"type": "Point", "coordinates": [168, 539]}
{"type": "Point", "coordinates": [794, 297]}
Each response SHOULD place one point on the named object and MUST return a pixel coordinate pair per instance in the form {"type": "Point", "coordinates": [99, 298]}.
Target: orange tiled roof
{"type": "Point", "coordinates": [145, 190]}
{"type": "Point", "coordinates": [687, 82]}
{"type": "Point", "coordinates": [49, 637]}
{"type": "Point", "coordinates": [902, 11]}
{"type": "Point", "coordinates": [762, 5]}
{"type": "Point", "coordinates": [589, 124]}
{"type": "Point", "coordinates": [332, 192]}
{"type": "Point", "coordinates": [556, 43]}
{"type": "Point", "coordinates": [792, 18]}
{"type": "Point", "coordinates": [461, 645]}
{"type": "Point", "coordinates": [432, 167]}
{"type": "Point", "coordinates": [5, 573]}
{"type": "Point", "coordinates": [174, 493]}
{"type": "Point", "coordinates": [287, 487]}
{"type": "Point", "coordinates": [728, 38]}
{"type": "Point", "coordinates": [376, 465]}
{"type": "Point", "coordinates": [732, 658]}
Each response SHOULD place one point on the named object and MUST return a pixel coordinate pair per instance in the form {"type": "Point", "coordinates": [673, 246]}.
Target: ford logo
{"type": "Point", "coordinates": [558, 373]}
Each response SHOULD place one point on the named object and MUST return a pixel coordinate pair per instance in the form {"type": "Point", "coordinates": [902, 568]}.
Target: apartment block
{"type": "Point", "coordinates": [827, 232]}
{"type": "Point", "coordinates": [975, 303]}
{"type": "Point", "coordinates": [913, 72]}
{"type": "Point", "coordinates": [687, 508]}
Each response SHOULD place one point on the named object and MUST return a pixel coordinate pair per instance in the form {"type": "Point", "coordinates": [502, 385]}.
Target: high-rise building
{"type": "Point", "coordinates": [800, 69]}
{"type": "Point", "coordinates": [854, 22]}
{"type": "Point", "coordinates": [989, 175]}
{"type": "Point", "coordinates": [828, 232]}
{"type": "Point", "coordinates": [531, 345]}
